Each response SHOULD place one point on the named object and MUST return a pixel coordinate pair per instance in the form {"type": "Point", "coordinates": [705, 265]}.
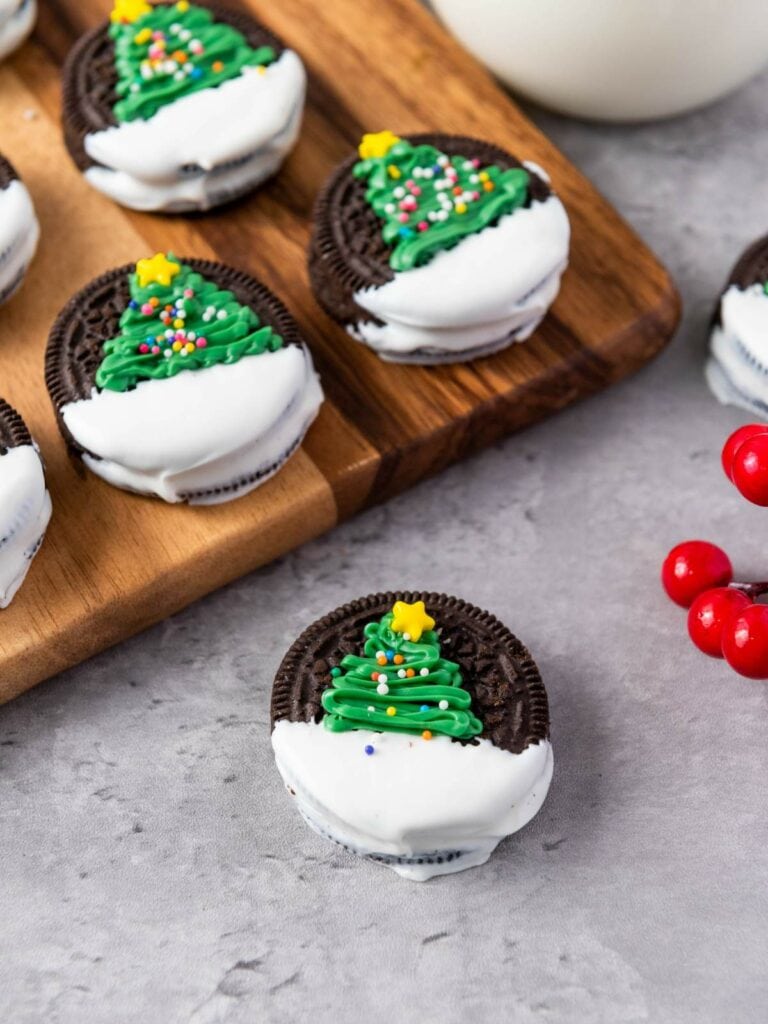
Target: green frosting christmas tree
{"type": "Point", "coordinates": [168, 51]}
{"type": "Point", "coordinates": [401, 683]}
{"type": "Point", "coordinates": [178, 320]}
{"type": "Point", "coordinates": [430, 201]}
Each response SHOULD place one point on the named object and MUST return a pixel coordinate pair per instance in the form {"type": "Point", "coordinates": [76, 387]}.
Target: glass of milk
{"type": "Point", "coordinates": [615, 60]}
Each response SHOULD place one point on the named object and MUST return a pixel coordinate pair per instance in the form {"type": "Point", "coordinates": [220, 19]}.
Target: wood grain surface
{"type": "Point", "coordinates": [113, 563]}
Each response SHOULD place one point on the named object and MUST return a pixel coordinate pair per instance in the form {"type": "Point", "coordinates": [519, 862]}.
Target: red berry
{"type": "Point", "coordinates": [710, 613]}
{"type": "Point", "coordinates": [750, 469]}
{"type": "Point", "coordinates": [692, 567]}
{"type": "Point", "coordinates": [745, 642]}
{"type": "Point", "coordinates": [736, 440]}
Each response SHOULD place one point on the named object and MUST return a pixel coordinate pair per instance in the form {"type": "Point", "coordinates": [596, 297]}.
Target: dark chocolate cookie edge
{"type": "Point", "coordinates": [13, 429]}
{"type": "Point", "coordinates": [7, 172]}
{"type": "Point", "coordinates": [74, 348]}
{"type": "Point", "coordinates": [346, 250]}
{"type": "Point", "coordinates": [514, 711]}
{"type": "Point", "coordinates": [89, 78]}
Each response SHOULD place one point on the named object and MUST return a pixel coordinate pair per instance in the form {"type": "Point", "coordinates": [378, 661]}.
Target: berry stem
{"type": "Point", "coordinates": [752, 590]}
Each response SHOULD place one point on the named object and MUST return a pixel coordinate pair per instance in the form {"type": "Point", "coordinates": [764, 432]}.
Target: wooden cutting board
{"type": "Point", "coordinates": [113, 563]}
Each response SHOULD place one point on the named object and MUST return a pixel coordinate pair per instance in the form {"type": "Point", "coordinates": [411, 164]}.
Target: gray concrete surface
{"type": "Point", "coordinates": [152, 868]}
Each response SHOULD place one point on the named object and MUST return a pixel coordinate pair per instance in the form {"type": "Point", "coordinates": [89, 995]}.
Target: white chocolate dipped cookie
{"type": "Point", "coordinates": [182, 379]}
{"type": "Point", "coordinates": [437, 248]}
{"type": "Point", "coordinates": [413, 730]}
{"type": "Point", "coordinates": [179, 106]}
{"type": "Point", "coordinates": [737, 371]}
{"type": "Point", "coordinates": [25, 505]}
{"type": "Point", "coordinates": [19, 230]}
{"type": "Point", "coordinates": [17, 19]}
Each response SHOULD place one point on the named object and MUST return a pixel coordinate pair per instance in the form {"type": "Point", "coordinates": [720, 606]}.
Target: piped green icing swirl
{"type": "Point", "coordinates": [430, 201]}
{"type": "Point", "coordinates": [148, 52]}
{"type": "Point", "coordinates": [354, 700]}
{"type": "Point", "coordinates": [209, 324]}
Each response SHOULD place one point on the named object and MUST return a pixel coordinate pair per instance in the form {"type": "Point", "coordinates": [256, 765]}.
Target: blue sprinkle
{"type": "Point", "coordinates": [197, 73]}
{"type": "Point", "coordinates": [405, 232]}
{"type": "Point", "coordinates": [390, 655]}
{"type": "Point", "coordinates": [368, 749]}
{"type": "Point", "coordinates": [133, 304]}
{"type": "Point", "coordinates": [424, 707]}
{"type": "Point", "coordinates": [437, 169]}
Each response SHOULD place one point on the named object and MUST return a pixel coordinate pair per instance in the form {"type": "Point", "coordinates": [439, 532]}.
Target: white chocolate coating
{"type": "Point", "coordinates": [202, 430]}
{"type": "Point", "coordinates": [25, 509]}
{"type": "Point", "coordinates": [235, 136]}
{"type": "Point", "coordinates": [16, 22]}
{"type": "Point", "coordinates": [19, 235]}
{"type": "Point", "coordinates": [737, 371]}
{"type": "Point", "coordinates": [411, 799]}
{"type": "Point", "coordinates": [491, 289]}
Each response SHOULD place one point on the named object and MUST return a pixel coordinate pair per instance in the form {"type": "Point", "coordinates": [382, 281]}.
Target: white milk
{"type": "Point", "coordinates": [615, 60]}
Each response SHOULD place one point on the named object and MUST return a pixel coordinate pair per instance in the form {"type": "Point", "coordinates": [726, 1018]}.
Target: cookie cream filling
{"type": "Point", "coordinates": [16, 22]}
{"type": "Point", "coordinates": [492, 288]}
{"type": "Point", "coordinates": [205, 148]}
{"type": "Point", "coordinates": [204, 436]}
{"type": "Point", "coordinates": [19, 234]}
{"type": "Point", "coordinates": [25, 509]}
{"type": "Point", "coordinates": [737, 371]}
{"type": "Point", "coordinates": [422, 808]}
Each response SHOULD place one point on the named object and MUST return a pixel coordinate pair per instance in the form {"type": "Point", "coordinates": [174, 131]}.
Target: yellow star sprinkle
{"type": "Point", "coordinates": [158, 270]}
{"type": "Point", "coordinates": [126, 11]}
{"type": "Point", "coordinates": [411, 619]}
{"type": "Point", "coordinates": [376, 144]}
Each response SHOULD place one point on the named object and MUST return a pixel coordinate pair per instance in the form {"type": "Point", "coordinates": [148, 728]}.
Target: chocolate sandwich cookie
{"type": "Point", "coordinates": [17, 18]}
{"type": "Point", "coordinates": [19, 230]}
{"type": "Point", "coordinates": [737, 371]}
{"type": "Point", "coordinates": [154, 104]}
{"type": "Point", "coordinates": [184, 379]}
{"type": "Point", "coordinates": [25, 505]}
{"type": "Point", "coordinates": [413, 729]}
{"type": "Point", "coordinates": [437, 248]}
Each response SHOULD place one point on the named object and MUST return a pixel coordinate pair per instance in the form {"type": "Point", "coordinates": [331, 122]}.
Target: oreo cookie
{"type": "Point", "coordinates": [19, 230]}
{"type": "Point", "coordinates": [25, 505]}
{"type": "Point", "coordinates": [17, 19]}
{"type": "Point", "coordinates": [152, 102]}
{"type": "Point", "coordinates": [737, 371]}
{"type": "Point", "coordinates": [412, 728]}
{"type": "Point", "coordinates": [437, 248]}
{"type": "Point", "coordinates": [184, 379]}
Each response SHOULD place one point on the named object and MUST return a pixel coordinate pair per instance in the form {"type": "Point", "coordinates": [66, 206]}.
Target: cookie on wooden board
{"type": "Point", "coordinates": [437, 248]}
{"type": "Point", "coordinates": [180, 106]}
{"type": "Point", "coordinates": [184, 379]}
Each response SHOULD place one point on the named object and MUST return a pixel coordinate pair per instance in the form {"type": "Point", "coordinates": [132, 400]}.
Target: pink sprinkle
{"type": "Point", "coordinates": [196, 46]}
{"type": "Point", "coordinates": [422, 225]}
{"type": "Point", "coordinates": [158, 35]}
{"type": "Point", "coordinates": [403, 218]}
{"type": "Point", "coordinates": [180, 335]}
{"type": "Point", "coordinates": [201, 342]}
{"type": "Point", "coordinates": [410, 183]}
{"type": "Point", "coordinates": [408, 203]}
{"type": "Point", "coordinates": [188, 293]}
{"type": "Point", "coordinates": [450, 172]}
{"type": "Point", "coordinates": [475, 162]}
{"type": "Point", "coordinates": [155, 350]}
{"type": "Point", "coordinates": [475, 195]}
{"type": "Point", "coordinates": [143, 348]}
{"type": "Point", "coordinates": [147, 309]}
{"type": "Point", "coordinates": [415, 190]}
